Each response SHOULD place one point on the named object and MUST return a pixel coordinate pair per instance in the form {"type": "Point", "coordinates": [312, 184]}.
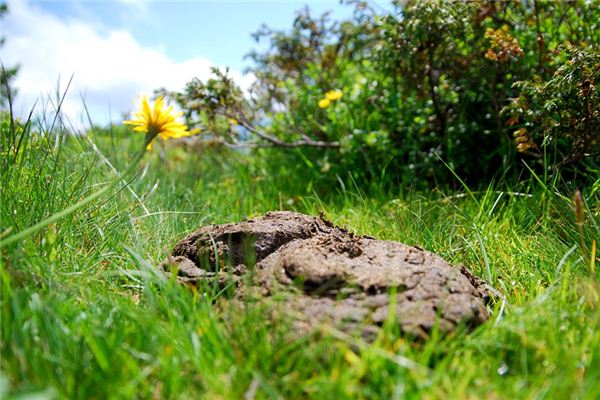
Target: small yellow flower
{"type": "Point", "coordinates": [324, 103]}
{"type": "Point", "coordinates": [334, 95]}
{"type": "Point", "coordinates": [158, 121]}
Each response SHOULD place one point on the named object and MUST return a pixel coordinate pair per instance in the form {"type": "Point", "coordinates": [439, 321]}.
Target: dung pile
{"type": "Point", "coordinates": [321, 273]}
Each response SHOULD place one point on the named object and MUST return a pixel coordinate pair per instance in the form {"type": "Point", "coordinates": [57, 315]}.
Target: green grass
{"type": "Point", "coordinates": [84, 314]}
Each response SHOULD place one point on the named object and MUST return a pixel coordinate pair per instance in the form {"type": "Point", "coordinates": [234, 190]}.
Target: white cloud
{"type": "Point", "coordinates": [109, 68]}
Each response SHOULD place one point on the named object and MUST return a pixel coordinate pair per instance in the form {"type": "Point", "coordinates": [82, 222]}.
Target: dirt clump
{"type": "Point", "coordinates": [322, 274]}
{"type": "Point", "coordinates": [224, 251]}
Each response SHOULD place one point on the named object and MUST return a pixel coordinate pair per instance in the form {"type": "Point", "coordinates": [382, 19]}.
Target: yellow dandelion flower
{"type": "Point", "coordinates": [334, 95]}
{"type": "Point", "coordinates": [324, 103]}
{"type": "Point", "coordinates": [158, 121]}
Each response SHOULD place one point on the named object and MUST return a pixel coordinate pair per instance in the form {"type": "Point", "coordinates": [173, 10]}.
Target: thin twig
{"type": "Point", "coordinates": [281, 143]}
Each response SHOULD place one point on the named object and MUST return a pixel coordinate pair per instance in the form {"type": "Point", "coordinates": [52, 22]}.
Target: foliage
{"type": "Point", "coordinates": [86, 315]}
{"type": "Point", "coordinates": [563, 113]}
{"type": "Point", "coordinates": [217, 105]}
{"type": "Point", "coordinates": [426, 83]}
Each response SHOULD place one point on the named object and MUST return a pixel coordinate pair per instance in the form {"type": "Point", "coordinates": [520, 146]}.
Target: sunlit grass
{"type": "Point", "coordinates": [86, 315]}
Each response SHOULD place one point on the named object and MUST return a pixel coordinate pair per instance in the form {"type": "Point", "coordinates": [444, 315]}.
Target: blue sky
{"type": "Point", "coordinates": [119, 50]}
{"type": "Point", "coordinates": [217, 30]}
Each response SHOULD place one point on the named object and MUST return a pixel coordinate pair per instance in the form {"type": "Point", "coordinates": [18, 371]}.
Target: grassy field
{"type": "Point", "coordinates": [84, 314]}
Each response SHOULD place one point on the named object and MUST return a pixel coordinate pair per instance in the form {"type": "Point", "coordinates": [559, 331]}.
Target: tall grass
{"type": "Point", "coordinates": [86, 315]}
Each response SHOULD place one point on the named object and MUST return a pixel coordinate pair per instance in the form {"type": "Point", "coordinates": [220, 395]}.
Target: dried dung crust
{"type": "Point", "coordinates": [349, 279]}
{"type": "Point", "coordinates": [323, 274]}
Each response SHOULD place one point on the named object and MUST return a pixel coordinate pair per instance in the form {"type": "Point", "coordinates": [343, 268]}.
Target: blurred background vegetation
{"type": "Point", "coordinates": [488, 95]}
{"type": "Point", "coordinates": [482, 90]}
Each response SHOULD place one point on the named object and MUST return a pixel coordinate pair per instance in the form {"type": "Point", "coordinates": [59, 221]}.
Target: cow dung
{"type": "Point", "coordinates": [322, 274]}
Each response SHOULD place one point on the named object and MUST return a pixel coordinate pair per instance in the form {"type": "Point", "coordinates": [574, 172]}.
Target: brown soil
{"type": "Point", "coordinates": [324, 275]}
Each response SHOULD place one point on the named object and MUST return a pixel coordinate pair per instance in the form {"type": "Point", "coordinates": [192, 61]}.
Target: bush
{"type": "Point", "coordinates": [561, 117]}
{"type": "Point", "coordinates": [434, 81]}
